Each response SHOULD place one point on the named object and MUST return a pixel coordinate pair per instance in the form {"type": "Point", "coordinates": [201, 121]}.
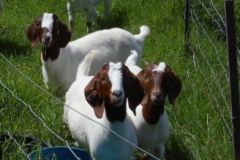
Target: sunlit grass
{"type": "Point", "coordinates": [198, 131]}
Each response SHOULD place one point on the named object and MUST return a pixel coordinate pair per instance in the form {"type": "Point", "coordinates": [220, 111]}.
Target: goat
{"type": "Point", "coordinates": [87, 6]}
{"type": "Point", "coordinates": [151, 120]}
{"type": "Point", "coordinates": [60, 58]}
{"type": "Point", "coordinates": [102, 98]}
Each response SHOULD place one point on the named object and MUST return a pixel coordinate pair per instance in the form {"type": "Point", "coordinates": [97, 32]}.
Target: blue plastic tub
{"type": "Point", "coordinates": [59, 153]}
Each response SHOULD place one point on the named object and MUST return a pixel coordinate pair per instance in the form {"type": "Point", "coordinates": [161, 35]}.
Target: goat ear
{"type": "Point", "coordinates": [133, 91]}
{"type": "Point", "coordinates": [96, 103]}
{"type": "Point", "coordinates": [65, 34]}
{"type": "Point", "coordinates": [91, 92]}
{"type": "Point", "coordinates": [140, 77]}
{"type": "Point", "coordinates": [32, 34]}
{"type": "Point", "coordinates": [175, 87]}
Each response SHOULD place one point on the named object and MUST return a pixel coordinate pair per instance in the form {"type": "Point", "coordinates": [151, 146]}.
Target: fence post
{"type": "Point", "coordinates": [233, 75]}
{"type": "Point", "coordinates": [187, 21]}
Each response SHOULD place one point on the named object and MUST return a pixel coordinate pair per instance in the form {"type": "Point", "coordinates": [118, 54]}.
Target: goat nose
{"type": "Point", "coordinates": [157, 94]}
{"type": "Point", "coordinates": [47, 38]}
{"type": "Point", "coordinates": [117, 93]}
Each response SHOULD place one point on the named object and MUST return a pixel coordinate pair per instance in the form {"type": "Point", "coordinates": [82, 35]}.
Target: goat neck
{"type": "Point", "coordinates": [115, 114]}
{"type": "Point", "coordinates": [152, 112]}
{"type": "Point", "coordinates": [51, 52]}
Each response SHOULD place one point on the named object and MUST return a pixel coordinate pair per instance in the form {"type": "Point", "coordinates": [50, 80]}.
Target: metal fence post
{"type": "Point", "coordinates": [187, 22]}
{"type": "Point", "coordinates": [233, 75]}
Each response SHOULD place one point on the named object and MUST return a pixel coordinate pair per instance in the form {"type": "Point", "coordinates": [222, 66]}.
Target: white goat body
{"type": "Point", "coordinates": [151, 138]}
{"type": "Point", "coordinates": [113, 45]}
{"type": "Point", "coordinates": [99, 141]}
{"type": "Point", "coordinates": [92, 136]}
{"type": "Point", "coordinates": [60, 62]}
{"type": "Point", "coordinates": [87, 6]}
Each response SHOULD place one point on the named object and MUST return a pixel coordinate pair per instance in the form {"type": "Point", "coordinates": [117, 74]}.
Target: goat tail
{"type": "Point", "coordinates": [132, 58]}
{"type": "Point", "coordinates": [85, 65]}
{"type": "Point", "coordinates": [144, 31]}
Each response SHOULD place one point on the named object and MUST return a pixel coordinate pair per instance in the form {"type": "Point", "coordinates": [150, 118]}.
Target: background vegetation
{"type": "Point", "coordinates": [200, 119]}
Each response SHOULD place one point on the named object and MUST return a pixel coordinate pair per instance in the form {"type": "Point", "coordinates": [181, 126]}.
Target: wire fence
{"type": "Point", "coordinates": [196, 55]}
{"type": "Point", "coordinates": [215, 16]}
{"type": "Point", "coordinates": [197, 23]}
{"type": "Point", "coordinates": [195, 30]}
{"type": "Point", "coordinates": [44, 123]}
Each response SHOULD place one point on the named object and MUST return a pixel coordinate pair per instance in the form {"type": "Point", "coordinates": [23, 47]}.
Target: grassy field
{"type": "Point", "coordinates": [200, 119]}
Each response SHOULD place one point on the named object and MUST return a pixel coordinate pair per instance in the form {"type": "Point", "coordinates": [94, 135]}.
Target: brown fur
{"type": "Point", "coordinates": [61, 35]}
{"type": "Point", "coordinates": [98, 94]}
{"type": "Point", "coordinates": [157, 86]}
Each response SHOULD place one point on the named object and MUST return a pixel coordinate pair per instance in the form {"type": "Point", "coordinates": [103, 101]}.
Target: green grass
{"type": "Point", "coordinates": [200, 118]}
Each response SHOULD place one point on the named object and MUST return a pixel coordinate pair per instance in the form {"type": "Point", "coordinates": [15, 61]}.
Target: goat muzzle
{"type": "Point", "coordinates": [117, 98]}
{"type": "Point", "coordinates": [157, 97]}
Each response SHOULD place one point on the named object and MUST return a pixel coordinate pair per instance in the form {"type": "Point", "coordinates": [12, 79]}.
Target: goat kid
{"type": "Point", "coordinates": [102, 98]}
{"type": "Point", "coordinates": [60, 58]}
{"type": "Point", "coordinates": [151, 120]}
{"type": "Point", "coordinates": [87, 6]}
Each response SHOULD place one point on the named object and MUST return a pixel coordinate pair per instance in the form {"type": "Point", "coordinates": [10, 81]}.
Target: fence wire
{"type": "Point", "coordinates": [57, 99]}
{"type": "Point", "coordinates": [194, 20]}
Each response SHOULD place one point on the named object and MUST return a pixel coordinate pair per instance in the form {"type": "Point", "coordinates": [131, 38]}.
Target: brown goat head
{"type": "Point", "coordinates": [110, 88]}
{"type": "Point", "coordinates": [159, 81]}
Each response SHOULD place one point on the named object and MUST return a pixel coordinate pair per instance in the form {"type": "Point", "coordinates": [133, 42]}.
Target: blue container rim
{"type": "Point", "coordinates": [49, 151]}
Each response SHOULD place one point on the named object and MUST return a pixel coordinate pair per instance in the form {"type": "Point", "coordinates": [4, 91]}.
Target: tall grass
{"type": "Point", "coordinates": [200, 118]}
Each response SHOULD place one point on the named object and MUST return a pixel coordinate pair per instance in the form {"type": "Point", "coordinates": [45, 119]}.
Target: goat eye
{"type": "Point", "coordinates": [104, 78]}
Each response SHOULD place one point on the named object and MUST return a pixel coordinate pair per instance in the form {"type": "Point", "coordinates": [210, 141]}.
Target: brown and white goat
{"type": "Point", "coordinates": [102, 98]}
{"type": "Point", "coordinates": [61, 58]}
{"type": "Point", "coordinates": [151, 120]}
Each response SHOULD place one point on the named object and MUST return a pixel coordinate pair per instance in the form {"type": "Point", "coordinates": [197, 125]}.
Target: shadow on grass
{"type": "Point", "coordinates": [176, 149]}
{"type": "Point", "coordinates": [28, 144]}
{"type": "Point", "coordinates": [12, 46]}
{"type": "Point", "coordinates": [118, 19]}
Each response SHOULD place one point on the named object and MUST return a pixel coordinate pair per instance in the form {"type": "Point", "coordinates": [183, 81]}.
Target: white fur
{"type": "Point", "coordinates": [150, 137]}
{"type": "Point", "coordinates": [132, 59]}
{"type": "Point", "coordinates": [82, 73]}
{"type": "Point", "coordinates": [99, 141]}
{"type": "Point", "coordinates": [160, 67]}
{"type": "Point", "coordinates": [47, 22]}
{"type": "Point", "coordinates": [115, 76]}
{"type": "Point", "coordinates": [84, 66]}
{"type": "Point", "coordinates": [131, 62]}
{"type": "Point", "coordinates": [87, 6]}
{"type": "Point", "coordinates": [112, 45]}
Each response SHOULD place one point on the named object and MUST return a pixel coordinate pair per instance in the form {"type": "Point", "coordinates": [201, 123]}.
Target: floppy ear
{"type": "Point", "coordinates": [92, 95]}
{"type": "Point", "coordinates": [133, 90]}
{"type": "Point", "coordinates": [32, 34]}
{"type": "Point", "coordinates": [175, 87]}
{"type": "Point", "coordinates": [64, 33]}
{"type": "Point", "coordinates": [140, 77]}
